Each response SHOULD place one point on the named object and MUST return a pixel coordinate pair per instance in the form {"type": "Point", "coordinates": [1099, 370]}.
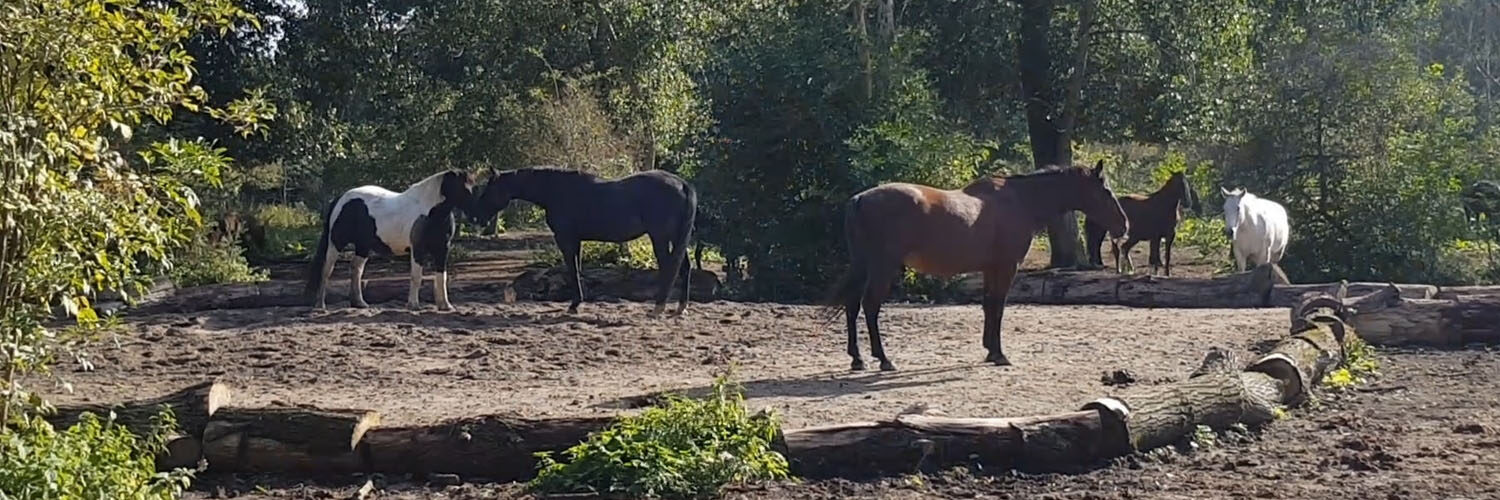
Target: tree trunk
{"type": "Point", "coordinates": [491, 447]}
{"type": "Point", "coordinates": [1243, 290]}
{"type": "Point", "coordinates": [191, 407]}
{"type": "Point", "coordinates": [307, 441]}
{"type": "Point", "coordinates": [1387, 318]}
{"type": "Point", "coordinates": [916, 443]}
{"type": "Point", "coordinates": [885, 42]}
{"type": "Point", "coordinates": [1050, 124]}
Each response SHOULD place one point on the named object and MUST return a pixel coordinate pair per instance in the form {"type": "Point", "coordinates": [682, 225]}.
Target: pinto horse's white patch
{"type": "Point", "coordinates": [394, 213]}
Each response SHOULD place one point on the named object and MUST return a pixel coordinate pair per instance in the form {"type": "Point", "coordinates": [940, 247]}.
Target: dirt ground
{"type": "Point", "coordinates": [1425, 429]}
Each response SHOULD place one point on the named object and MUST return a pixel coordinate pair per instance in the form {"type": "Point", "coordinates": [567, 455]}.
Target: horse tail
{"type": "Point", "coordinates": [685, 228]}
{"type": "Point", "coordinates": [320, 256]}
{"type": "Point", "coordinates": [853, 282]}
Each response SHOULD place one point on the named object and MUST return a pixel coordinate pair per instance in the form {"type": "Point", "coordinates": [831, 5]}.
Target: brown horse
{"type": "Point", "coordinates": [987, 226]}
{"type": "Point", "coordinates": [1153, 218]}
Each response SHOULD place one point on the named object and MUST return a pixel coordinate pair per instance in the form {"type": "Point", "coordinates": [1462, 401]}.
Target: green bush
{"type": "Point", "coordinates": [684, 448]}
{"type": "Point", "coordinates": [1206, 235]}
{"type": "Point", "coordinates": [210, 262]}
{"type": "Point", "coordinates": [638, 255]}
{"type": "Point", "coordinates": [291, 230]}
{"type": "Point", "coordinates": [95, 458]}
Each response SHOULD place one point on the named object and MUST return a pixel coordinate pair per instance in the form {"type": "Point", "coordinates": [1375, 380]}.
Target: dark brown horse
{"type": "Point", "coordinates": [1153, 218]}
{"type": "Point", "coordinates": [987, 226]}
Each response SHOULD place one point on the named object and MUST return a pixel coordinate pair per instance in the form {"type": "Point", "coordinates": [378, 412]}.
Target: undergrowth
{"type": "Point", "coordinates": [638, 254]}
{"type": "Point", "coordinates": [210, 262]}
{"type": "Point", "coordinates": [682, 448]}
{"type": "Point", "coordinates": [1359, 365]}
{"type": "Point", "coordinates": [95, 458]}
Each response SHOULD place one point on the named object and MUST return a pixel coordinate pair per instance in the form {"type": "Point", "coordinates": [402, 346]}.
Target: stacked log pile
{"type": "Point", "coordinates": [305, 441]}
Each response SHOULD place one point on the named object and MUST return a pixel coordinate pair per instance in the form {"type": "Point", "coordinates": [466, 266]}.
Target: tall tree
{"type": "Point", "coordinates": [1051, 118]}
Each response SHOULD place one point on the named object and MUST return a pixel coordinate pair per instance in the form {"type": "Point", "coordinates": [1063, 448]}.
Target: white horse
{"type": "Point", "coordinates": [418, 221]}
{"type": "Point", "coordinates": [1258, 228]}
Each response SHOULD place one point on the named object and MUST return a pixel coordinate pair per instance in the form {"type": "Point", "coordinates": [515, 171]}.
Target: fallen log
{"type": "Point", "coordinates": [1452, 292]}
{"type": "Point", "coordinates": [491, 447]}
{"type": "Point", "coordinates": [296, 440]}
{"type": "Point", "coordinates": [1248, 289]}
{"type": "Point", "coordinates": [191, 407]}
{"type": "Point", "coordinates": [1290, 295]}
{"type": "Point", "coordinates": [548, 284]}
{"type": "Point", "coordinates": [1385, 318]}
{"type": "Point", "coordinates": [910, 443]}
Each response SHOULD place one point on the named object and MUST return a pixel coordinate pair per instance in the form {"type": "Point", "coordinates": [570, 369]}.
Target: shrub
{"type": "Point", "coordinates": [96, 458]}
{"type": "Point", "coordinates": [684, 448]}
{"type": "Point", "coordinates": [210, 262]}
{"type": "Point", "coordinates": [638, 255]}
{"type": "Point", "coordinates": [1206, 235]}
{"type": "Point", "coordinates": [291, 230]}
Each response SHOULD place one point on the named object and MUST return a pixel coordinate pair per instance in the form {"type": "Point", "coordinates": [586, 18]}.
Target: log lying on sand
{"type": "Point", "coordinates": [1242, 290]}
{"type": "Point", "coordinates": [295, 440]}
{"type": "Point", "coordinates": [192, 407]}
{"type": "Point", "coordinates": [1215, 395]}
{"type": "Point", "coordinates": [1291, 295]}
{"type": "Point", "coordinates": [536, 284]}
{"type": "Point", "coordinates": [1385, 317]}
{"type": "Point", "coordinates": [491, 447]}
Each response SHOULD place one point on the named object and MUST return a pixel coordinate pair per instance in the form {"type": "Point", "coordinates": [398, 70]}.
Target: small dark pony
{"type": "Point", "coordinates": [986, 226]}
{"type": "Point", "coordinates": [1153, 218]}
{"type": "Point", "coordinates": [582, 207]}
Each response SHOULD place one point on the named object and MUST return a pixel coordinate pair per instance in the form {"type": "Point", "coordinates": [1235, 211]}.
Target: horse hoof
{"type": "Point", "coordinates": [360, 305]}
{"type": "Point", "coordinates": [858, 365]}
{"type": "Point", "coordinates": [886, 366]}
{"type": "Point", "coordinates": [447, 308]}
{"type": "Point", "coordinates": [1000, 361]}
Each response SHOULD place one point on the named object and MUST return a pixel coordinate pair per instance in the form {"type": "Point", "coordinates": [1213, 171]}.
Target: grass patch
{"type": "Point", "coordinates": [682, 448]}
{"type": "Point", "coordinates": [291, 231]}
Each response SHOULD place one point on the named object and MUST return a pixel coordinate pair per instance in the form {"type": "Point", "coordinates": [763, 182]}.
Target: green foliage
{"type": "Point", "coordinates": [291, 231]}
{"type": "Point", "coordinates": [638, 254]}
{"type": "Point", "coordinates": [684, 448]}
{"type": "Point", "coordinates": [211, 262]}
{"type": "Point", "coordinates": [96, 458]}
{"type": "Point", "coordinates": [1206, 236]}
{"type": "Point", "coordinates": [80, 213]}
{"type": "Point", "coordinates": [1360, 364]}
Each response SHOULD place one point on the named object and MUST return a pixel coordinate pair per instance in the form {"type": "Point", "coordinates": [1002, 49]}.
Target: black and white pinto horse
{"type": "Point", "coordinates": [373, 220]}
{"type": "Point", "coordinates": [582, 207]}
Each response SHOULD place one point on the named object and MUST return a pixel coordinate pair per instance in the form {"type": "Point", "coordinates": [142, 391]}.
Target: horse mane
{"type": "Point", "coordinates": [1047, 172]}
{"type": "Point", "coordinates": [557, 172]}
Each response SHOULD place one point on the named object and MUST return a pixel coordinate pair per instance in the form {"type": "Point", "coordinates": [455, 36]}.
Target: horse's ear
{"type": "Point", "coordinates": [1099, 169]}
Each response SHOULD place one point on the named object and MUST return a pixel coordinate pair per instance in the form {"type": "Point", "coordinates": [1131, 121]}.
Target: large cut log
{"type": "Point", "coordinates": [491, 447]}
{"type": "Point", "coordinates": [548, 284]}
{"type": "Point", "coordinates": [1290, 295]}
{"type": "Point", "coordinates": [1385, 318]}
{"type": "Point", "coordinates": [295, 440]}
{"type": "Point", "coordinates": [1216, 396]}
{"type": "Point", "coordinates": [191, 408]}
{"type": "Point", "coordinates": [915, 443]}
{"type": "Point", "coordinates": [1241, 290]}
{"type": "Point", "coordinates": [1451, 292]}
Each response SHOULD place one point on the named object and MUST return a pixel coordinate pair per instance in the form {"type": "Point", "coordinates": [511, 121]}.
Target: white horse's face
{"type": "Point", "coordinates": [1232, 210]}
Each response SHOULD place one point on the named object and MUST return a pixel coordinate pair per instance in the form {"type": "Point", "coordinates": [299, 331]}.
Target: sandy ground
{"type": "Point", "coordinates": [1426, 429]}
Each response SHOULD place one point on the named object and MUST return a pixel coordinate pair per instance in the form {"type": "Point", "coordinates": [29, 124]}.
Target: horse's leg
{"type": "Point", "coordinates": [664, 272]}
{"type": "Point", "coordinates": [1093, 237]}
{"type": "Point", "coordinates": [1114, 251]}
{"type": "Point", "coordinates": [1155, 257]}
{"type": "Point", "coordinates": [413, 301]}
{"type": "Point", "coordinates": [997, 288]}
{"type": "Point", "coordinates": [1239, 257]}
{"type": "Point", "coordinates": [1167, 244]}
{"type": "Point", "coordinates": [356, 281]}
{"type": "Point", "coordinates": [440, 290]}
{"type": "Point", "coordinates": [571, 249]}
{"type": "Point", "coordinates": [1125, 252]}
{"type": "Point", "coordinates": [881, 274]}
{"type": "Point", "coordinates": [329, 258]}
{"type": "Point", "coordinates": [684, 273]}
{"type": "Point", "coordinates": [988, 306]}
{"type": "Point", "coordinates": [851, 318]}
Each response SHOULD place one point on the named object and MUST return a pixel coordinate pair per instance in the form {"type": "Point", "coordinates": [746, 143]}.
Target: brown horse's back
{"type": "Point", "coordinates": [1146, 217]}
{"type": "Point", "coordinates": [934, 231]}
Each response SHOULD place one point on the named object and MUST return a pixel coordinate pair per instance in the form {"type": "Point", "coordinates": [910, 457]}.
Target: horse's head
{"type": "Point", "coordinates": [458, 190]}
{"type": "Point", "coordinates": [1233, 211]}
{"type": "Point", "coordinates": [496, 195]}
{"type": "Point", "coordinates": [1097, 201]}
{"type": "Point", "coordinates": [1190, 199]}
